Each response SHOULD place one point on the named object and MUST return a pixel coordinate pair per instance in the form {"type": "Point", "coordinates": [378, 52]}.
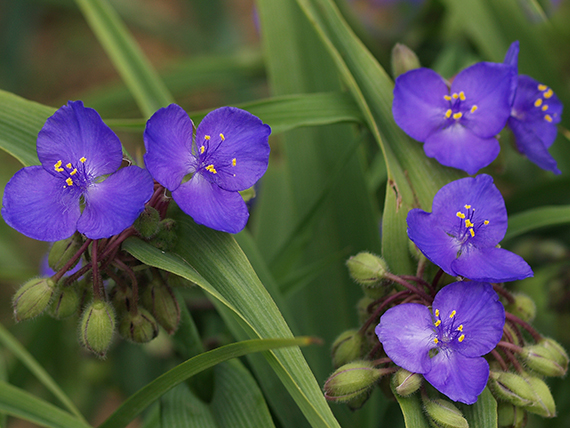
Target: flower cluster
{"type": "Point", "coordinates": [458, 122]}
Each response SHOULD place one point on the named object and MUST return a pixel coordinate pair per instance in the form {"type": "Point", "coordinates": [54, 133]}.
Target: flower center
{"type": "Point", "coordinates": [209, 161]}
{"type": "Point", "coordinates": [540, 102]}
{"type": "Point", "coordinates": [468, 225]}
{"type": "Point", "coordinates": [447, 331]}
{"type": "Point", "coordinates": [458, 107]}
{"type": "Point", "coordinates": [72, 174]}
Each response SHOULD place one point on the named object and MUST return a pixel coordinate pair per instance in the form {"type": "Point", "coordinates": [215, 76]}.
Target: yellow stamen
{"type": "Point", "coordinates": [211, 169]}
{"type": "Point", "coordinates": [73, 172]}
{"type": "Point", "coordinates": [460, 215]}
{"type": "Point", "coordinates": [234, 162]}
{"type": "Point", "coordinates": [207, 137]}
{"type": "Point", "coordinates": [461, 338]}
{"type": "Point", "coordinates": [474, 108]}
{"type": "Point", "coordinates": [437, 312]}
{"type": "Point", "coordinates": [202, 149]}
{"type": "Point", "coordinates": [538, 102]}
{"type": "Point", "coordinates": [455, 96]}
{"type": "Point", "coordinates": [462, 96]}
{"type": "Point", "coordinates": [542, 87]}
{"type": "Point", "coordinates": [467, 207]}
{"type": "Point", "coordinates": [468, 223]}
{"type": "Point", "coordinates": [435, 340]}
{"type": "Point", "coordinates": [68, 166]}
{"type": "Point", "coordinates": [452, 314]}
{"type": "Point", "coordinates": [457, 115]}
{"type": "Point", "coordinates": [545, 107]}
{"type": "Point", "coordinates": [486, 222]}
{"type": "Point", "coordinates": [548, 93]}
{"type": "Point", "coordinates": [472, 233]}
{"type": "Point", "coordinates": [69, 182]}
{"type": "Point", "coordinates": [460, 328]}
{"type": "Point", "coordinates": [222, 137]}
{"type": "Point", "coordinates": [437, 323]}
{"type": "Point", "coordinates": [548, 118]}
{"type": "Point", "coordinates": [82, 160]}
{"type": "Point", "coordinates": [448, 114]}
{"type": "Point", "coordinates": [57, 166]}
{"type": "Point", "coordinates": [447, 98]}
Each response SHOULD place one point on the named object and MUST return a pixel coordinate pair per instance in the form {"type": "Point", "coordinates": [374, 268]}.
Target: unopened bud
{"type": "Point", "coordinates": [512, 388]}
{"type": "Point", "coordinates": [367, 269]}
{"type": "Point", "coordinates": [347, 347]}
{"type": "Point", "coordinates": [523, 307]}
{"type": "Point", "coordinates": [32, 298]}
{"type": "Point", "coordinates": [65, 303]}
{"type": "Point", "coordinates": [542, 360]}
{"type": "Point", "coordinates": [97, 327]}
{"type": "Point", "coordinates": [62, 251]}
{"type": "Point", "coordinates": [147, 224]}
{"type": "Point", "coordinates": [139, 328]}
{"type": "Point", "coordinates": [443, 414]}
{"type": "Point", "coordinates": [557, 352]}
{"type": "Point", "coordinates": [159, 299]}
{"type": "Point", "coordinates": [351, 380]}
{"type": "Point", "coordinates": [512, 335]}
{"type": "Point", "coordinates": [406, 383]}
{"type": "Point", "coordinates": [166, 237]}
{"type": "Point", "coordinates": [510, 416]}
{"type": "Point", "coordinates": [122, 299]}
{"type": "Point", "coordinates": [543, 403]}
{"type": "Point", "coordinates": [403, 59]}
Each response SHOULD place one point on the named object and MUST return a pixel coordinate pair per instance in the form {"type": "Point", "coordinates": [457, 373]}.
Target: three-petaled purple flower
{"type": "Point", "coordinates": [457, 125]}
{"type": "Point", "coordinates": [446, 344]}
{"type": "Point", "coordinates": [79, 186]}
{"type": "Point", "coordinates": [535, 112]}
{"type": "Point", "coordinates": [461, 234]}
{"type": "Point", "coordinates": [230, 153]}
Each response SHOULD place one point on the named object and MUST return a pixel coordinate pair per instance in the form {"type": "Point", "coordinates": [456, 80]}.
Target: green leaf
{"type": "Point", "coordinates": [536, 218]}
{"type": "Point", "coordinates": [140, 400]}
{"type": "Point", "coordinates": [135, 69]}
{"type": "Point", "coordinates": [412, 409]}
{"type": "Point", "coordinates": [21, 404]}
{"type": "Point", "coordinates": [482, 414]}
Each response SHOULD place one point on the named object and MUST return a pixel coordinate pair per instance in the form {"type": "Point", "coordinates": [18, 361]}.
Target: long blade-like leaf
{"type": "Point", "coordinates": [536, 218]}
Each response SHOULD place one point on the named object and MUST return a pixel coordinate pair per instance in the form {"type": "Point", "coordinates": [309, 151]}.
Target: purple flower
{"type": "Point", "coordinates": [79, 186]}
{"type": "Point", "coordinates": [458, 125]}
{"type": "Point", "coordinates": [446, 345]}
{"type": "Point", "coordinates": [461, 234]}
{"type": "Point", "coordinates": [230, 153]}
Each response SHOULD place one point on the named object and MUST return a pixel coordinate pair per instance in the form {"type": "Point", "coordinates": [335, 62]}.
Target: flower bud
{"type": "Point", "coordinates": [511, 387]}
{"type": "Point", "coordinates": [362, 309]}
{"type": "Point", "coordinates": [139, 328]}
{"type": "Point", "coordinates": [122, 299]}
{"type": "Point", "coordinates": [557, 352]}
{"type": "Point", "coordinates": [510, 416]}
{"type": "Point", "coordinates": [542, 360]}
{"type": "Point", "coordinates": [147, 224]}
{"type": "Point", "coordinates": [32, 298]}
{"type": "Point", "coordinates": [347, 347]}
{"type": "Point", "coordinates": [367, 269]}
{"type": "Point", "coordinates": [166, 237]}
{"type": "Point", "coordinates": [351, 380]}
{"type": "Point", "coordinates": [406, 383]}
{"type": "Point", "coordinates": [444, 414]}
{"type": "Point", "coordinates": [543, 403]}
{"type": "Point", "coordinates": [523, 307]}
{"type": "Point", "coordinates": [513, 335]}
{"type": "Point", "coordinates": [65, 303]}
{"type": "Point", "coordinates": [403, 59]}
{"type": "Point", "coordinates": [97, 327]}
{"type": "Point", "coordinates": [62, 251]}
{"type": "Point", "coordinates": [159, 299]}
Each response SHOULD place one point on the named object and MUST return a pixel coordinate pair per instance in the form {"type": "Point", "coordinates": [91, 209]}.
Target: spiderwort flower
{"type": "Point", "coordinates": [446, 344]}
{"type": "Point", "coordinates": [78, 186]}
{"type": "Point", "coordinates": [461, 234]}
{"type": "Point", "coordinates": [230, 153]}
{"type": "Point", "coordinates": [457, 125]}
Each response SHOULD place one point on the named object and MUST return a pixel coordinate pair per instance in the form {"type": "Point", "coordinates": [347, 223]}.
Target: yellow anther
{"type": "Point", "coordinates": [467, 206]}
{"type": "Point", "coordinates": [82, 160]}
{"type": "Point", "coordinates": [455, 96]}
{"type": "Point", "coordinates": [468, 223]}
{"type": "Point", "coordinates": [461, 338]}
{"type": "Point", "coordinates": [457, 115]}
{"type": "Point", "coordinates": [435, 340]}
{"type": "Point", "coordinates": [538, 102]}
{"type": "Point", "coordinates": [211, 169]}
{"type": "Point", "coordinates": [462, 96]}
{"type": "Point", "coordinates": [452, 314]}
{"type": "Point", "coordinates": [545, 107]}
{"type": "Point", "coordinates": [69, 166]}
{"type": "Point", "coordinates": [437, 323]}
{"type": "Point", "coordinates": [460, 215]}
{"type": "Point", "coordinates": [486, 222]}
{"type": "Point", "coordinates": [460, 328]}
{"type": "Point", "coordinates": [234, 161]}
{"type": "Point", "coordinates": [73, 172]}
{"type": "Point", "coordinates": [57, 166]}
{"type": "Point", "coordinates": [448, 114]}
{"type": "Point", "coordinates": [447, 98]}
{"type": "Point", "coordinates": [548, 93]}
{"type": "Point", "coordinates": [222, 137]}
{"type": "Point", "coordinates": [542, 87]}
{"type": "Point", "coordinates": [202, 149]}
{"type": "Point", "coordinates": [548, 118]}
{"type": "Point", "coordinates": [474, 108]}
{"type": "Point", "coordinates": [472, 233]}
{"type": "Point", "coordinates": [207, 137]}
{"type": "Point", "coordinates": [69, 181]}
{"type": "Point", "coordinates": [437, 312]}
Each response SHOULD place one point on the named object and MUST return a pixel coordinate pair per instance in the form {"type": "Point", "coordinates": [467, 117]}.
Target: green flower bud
{"type": "Point", "coordinates": [97, 327]}
{"type": "Point", "coordinates": [523, 307]}
{"type": "Point", "coordinates": [511, 387]}
{"type": "Point", "coordinates": [406, 383]}
{"type": "Point", "coordinates": [139, 328]}
{"type": "Point", "coordinates": [362, 308]}
{"type": "Point", "coordinates": [166, 237]}
{"type": "Point", "coordinates": [32, 298]}
{"type": "Point", "coordinates": [351, 380]}
{"type": "Point", "coordinates": [65, 303]}
{"type": "Point", "coordinates": [367, 269]}
{"type": "Point", "coordinates": [543, 403]}
{"type": "Point", "coordinates": [542, 360]}
{"type": "Point", "coordinates": [443, 414]}
{"type": "Point", "coordinates": [147, 224]}
{"type": "Point", "coordinates": [122, 299]}
{"type": "Point", "coordinates": [159, 299]}
{"type": "Point", "coordinates": [248, 194]}
{"type": "Point", "coordinates": [403, 59]}
{"type": "Point", "coordinates": [62, 251]}
{"type": "Point", "coordinates": [510, 416]}
{"type": "Point", "coordinates": [347, 347]}
{"type": "Point", "coordinates": [513, 334]}
{"type": "Point", "coordinates": [557, 352]}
